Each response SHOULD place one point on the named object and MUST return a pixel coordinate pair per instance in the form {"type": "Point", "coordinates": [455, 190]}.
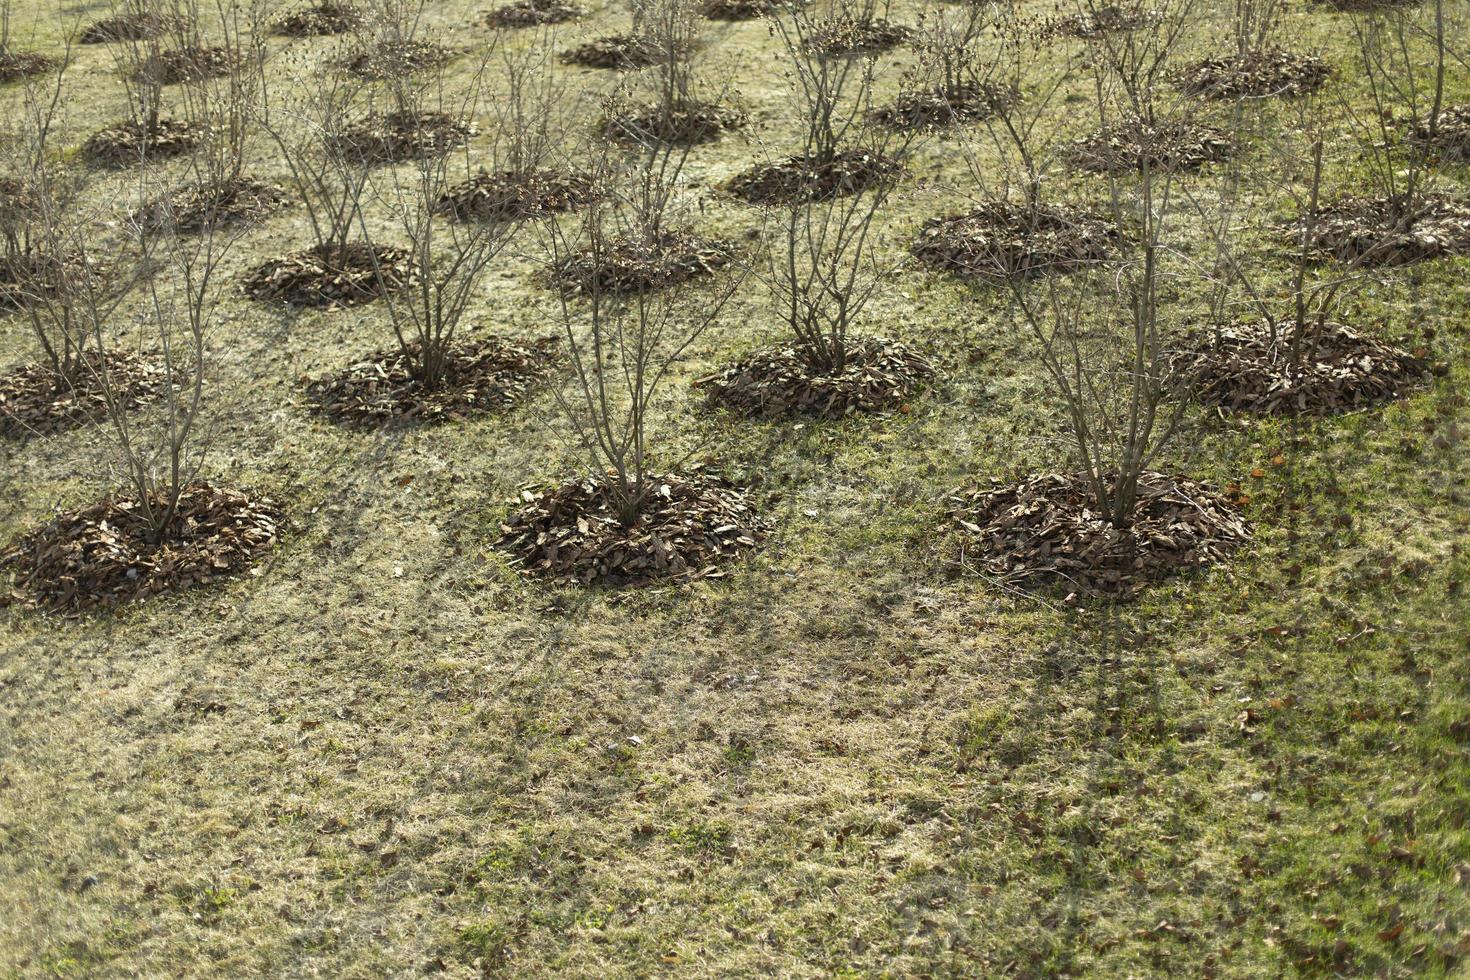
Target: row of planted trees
{"type": "Point", "coordinates": [402, 210]}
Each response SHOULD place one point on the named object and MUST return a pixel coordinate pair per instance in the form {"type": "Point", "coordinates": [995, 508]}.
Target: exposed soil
{"type": "Point", "coordinates": [1136, 145]}
{"type": "Point", "coordinates": [634, 264]}
{"type": "Point", "coordinates": [484, 375]}
{"type": "Point", "coordinates": [126, 143]}
{"type": "Point", "coordinates": [189, 65]}
{"type": "Point", "coordinates": [622, 52]}
{"type": "Point", "coordinates": [531, 13]}
{"type": "Point", "coordinates": [513, 195]}
{"type": "Point", "coordinates": [197, 207]}
{"type": "Point", "coordinates": [105, 555]}
{"type": "Point", "coordinates": [346, 277]}
{"type": "Point", "coordinates": [844, 36]}
{"type": "Point", "coordinates": [691, 527]}
{"type": "Point", "coordinates": [23, 64]}
{"type": "Point", "coordinates": [1046, 530]}
{"type": "Point", "coordinates": [1390, 231]}
{"type": "Point", "coordinates": [737, 10]}
{"type": "Point", "coordinates": [1245, 369]}
{"type": "Point", "coordinates": [126, 27]}
{"type": "Point", "coordinates": [689, 123]}
{"type": "Point", "coordinates": [33, 403]}
{"type": "Point", "coordinates": [936, 109]}
{"type": "Point", "coordinates": [1107, 19]}
{"type": "Point", "coordinates": [807, 179]}
{"type": "Point", "coordinates": [397, 136]}
{"type": "Point", "coordinates": [879, 375]}
{"type": "Point", "coordinates": [1450, 138]}
{"type": "Point", "coordinates": [320, 20]}
{"type": "Point", "coordinates": [1003, 239]}
{"type": "Point", "coordinates": [397, 59]}
{"type": "Point", "coordinates": [1254, 75]}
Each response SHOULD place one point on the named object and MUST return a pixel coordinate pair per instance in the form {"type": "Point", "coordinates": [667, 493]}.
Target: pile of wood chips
{"type": "Point", "coordinates": [1390, 231]}
{"type": "Point", "coordinates": [808, 179]}
{"type": "Point", "coordinates": [1046, 530]}
{"type": "Point", "coordinates": [483, 375]}
{"type": "Point", "coordinates": [1450, 137]}
{"type": "Point", "coordinates": [190, 64]}
{"type": "Point", "coordinates": [105, 555]}
{"type": "Point", "coordinates": [737, 10]}
{"type": "Point", "coordinates": [397, 59]}
{"type": "Point", "coordinates": [398, 136]}
{"type": "Point", "coordinates": [1001, 239]}
{"type": "Point", "coordinates": [1136, 145]}
{"type": "Point", "coordinates": [196, 207]}
{"type": "Point", "coordinates": [33, 401]}
{"type": "Point", "coordinates": [327, 17]}
{"type": "Point", "coordinates": [531, 13]}
{"type": "Point", "coordinates": [339, 278]}
{"type": "Point", "coordinates": [688, 123]}
{"type": "Point", "coordinates": [690, 527]}
{"type": "Point", "coordinates": [843, 36]}
{"type": "Point", "coordinates": [30, 277]}
{"type": "Point", "coordinates": [1255, 75]}
{"type": "Point", "coordinates": [634, 264]}
{"type": "Point", "coordinates": [937, 108]}
{"type": "Point", "coordinates": [126, 27]}
{"type": "Point", "coordinates": [128, 142]}
{"type": "Point", "coordinates": [879, 375]}
{"type": "Point", "coordinates": [1107, 19]}
{"type": "Point", "coordinates": [511, 195]}
{"type": "Point", "coordinates": [23, 64]}
{"type": "Point", "coordinates": [622, 52]}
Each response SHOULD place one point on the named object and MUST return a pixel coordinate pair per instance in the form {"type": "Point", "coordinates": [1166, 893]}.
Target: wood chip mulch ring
{"type": "Point", "coordinates": [1450, 139]}
{"type": "Point", "coordinates": [398, 136]}
{"type": "Point", "coordinates": [633, 265]}
{"type": "Point", "coordinates": [1134, 145]}
{"type": "Point", "coordinates": [1389, 231]}
{"type": "Point", "coordinates": [533, 13]}
{"type": "Point", "coordinates": [1045, 531]}
{"type": "Point", "coordinates": [879, 376]}
{"type": "Point", "coordinates": [1002, 240]}
{"type": "Point", "coordinates": [842, 37]}
{"type": "Point", "coordinates": [692, 526]}
{"type": "Point", "coordinates": [804, 179]}
{"type": "Point", "coordinates": [689, 124]}
{"type": "Point", "coordinates": [347, 278]}
{"type": "Point", "coordinates": [1363, 6]}
{"type": "Point", "coordinates": [738, 10]}
{"type": "Point", "coordinates": [936, 109]}
{"type": "Point", "coordinates": [515, 195]}
{"type": "Point", "coordinates": [487, 374]}
{"type": "Point", "coordinates": [16, 65]}
{"type": "Point", "coordinates": [1241, 368]}
{"type": "Point", "coordinates": [126, 27]}
{"type": "Point", "coordinates": [1257, 75]}
{"type": "Point", "coordinates": [103, 556]}
{"type": "Point", "coordinates": [393, 59]}
{"type": "Point", "coordinates": [127, 142]}
{"type": "Point", "coordinates": [321, 20]}
{"type": "Point", "coordinates": [1109, 19]}
{"type": "Point", "coordinates": [621, 52]}
{"type": "Point", "coordinates": [192, 64]}
{"type": "Point", "coordinates": [32, 403]}
{"type": "Point", "coordinates": [25, 279]}
{"type": "Point", "coordinates": [244, 200]}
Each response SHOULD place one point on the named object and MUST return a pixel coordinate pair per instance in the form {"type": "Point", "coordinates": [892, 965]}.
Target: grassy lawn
{"type": "Point", "coordinates": [387, 754]}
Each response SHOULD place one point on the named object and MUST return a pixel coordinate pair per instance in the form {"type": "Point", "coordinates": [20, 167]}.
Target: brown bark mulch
{"type": "Point", "coordinates": [845, 36]}
{"type": "Point", "coordinates": [1107, 19]}
{"type": "Point", "coordinates": [331, 279]}
{"type": "Point", "coordinates": [879, 375]}
{"type": "Point", "coordinates": [738, 10]}
{"type": "Point", "coordinates": [320, 20]}
{"type": "Point", "coordinates": [1046, 530]}
{"type": "Point", "coordinates": [33, 402]}
{"type": "Point", "coordinates": [621, 52]}
{"type": "Point", "coordinates": [806, 179]}
{"type": "Point", "coordinates": [242, 200]}
{"type": "Point", "coordinates": [1450, 137]}
{"type": "Point", "coordinates": [190, 64]}
{"type": "Point", "coordinates": [397, 59]}
{"type": "Point", "coordinates": [532, 13]}
{"type": "Point", "coordinates": [1244, 368]}
{"type": "Point", "coordinates": [1135, 145]}
{"type": "Point", "coordinates": [634, 264]}
{"type": "Point", "coordinates": [105, 555]}
{"type": "Point", "coordinates": [125, 27]}
{"type": "Point", "coordinates": [398, 136]}
{"type": "Point", "coordinates": [484, 375]}
{"type": "Point", "coordinates": [23, 64]}
{"type": "Point", "coordinates": [935, 108]}
{"type": "Point", "coordinates": [127, 142]}
{"type": "Point", "coordinates": [691, 527]}
{"type": "Point", "coordinates": [510, 195]}
{"type": "Point", "coordinates": [1389, 231]}
{"type": "Point", "coordinates": [687, 124]}
{"type": "Point", "coordinates": [1000, 240]}
{"type": "Point", "coordinates": [1256, 75]}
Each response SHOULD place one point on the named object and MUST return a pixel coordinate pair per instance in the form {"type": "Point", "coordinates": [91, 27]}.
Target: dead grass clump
{"type": "Point", "coordinates": [480, 376]}
{"type": "Point", "coordinates": [23, 64]}
{"type": "Point", "coordinates": [843, 36]}
{"type": "Point", "coordinates": [624, 52]}
{"type": "Point", "coordinates": [876, 375]}
{"type": "Point", "coordinates": [1002, 239]}
{"type": "Point", "coordinates": [1136, 145]}
{"type": "Point", "coordinates": [33, 401]}
{"type": "Point", "coordinates": [397, 58]}
{"type": "Point", "coordinates": [331, 277]}
{"type": "Point", "coordinates": [689, 527]}
{"type": "Point", "coordinates": [632, 264]}
{"type": "Point", "coordinates": [1046, 530]}
{"type": "Point", "coordinates": [513, 195]}
{"type": "Point", "coordinates": [1390, 231]}
{"type": "Point", "coordinates": [813, 179]}
{"type": "Point", "coordinates": [936, 108]}
{"type": "Point", "coordinates": [126, 27]}
{"type": "Point", "coordinates": [532, 13]}
{"type": "Point", "coordinates": [129, 142]}
{"type": "Point", "coordinates": [688, 123]}
{"type": "Point", "coordinates": [1449, 137]}
{"type": "Point", "coordinates": [108, 554]}
{"type": "Point", "coordinates": [1255, 75]}
{"type": "Point", "coordinates": [397, 136]}
{"type": "Point", "coordinates": [325, 18]}
{"type": "Point", "coordinates": [199, 206]}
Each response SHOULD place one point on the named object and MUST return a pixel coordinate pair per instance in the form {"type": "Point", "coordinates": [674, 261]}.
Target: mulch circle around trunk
{"type": "Point", "coordinates": [126, 27]}
{"type": "Point", "coordinates": [189, 65]}
{"type": "Point", "coordinates": [843, 36]}
{"type": "Point", "coordinates": [334, 279]}
{"type": "Point", "coordinates": [691, 527]}
{"type": "Point", "coordinates": [1256, 75]}
{"type": "Point", "coordinates": [1108, 19]}
{"type": "Point", "coordinates": [879, 375]}
{"type": "Point", "coordinates": [1386, 231]}
{"type": "Point", "coordinates": [806, 179]}
{"type": "Point", "coordinates": [510, 195]}
{"type": "Point", "coordinates": [321, 20]}
{"type": "Point", "coordinates": [737, 10]}
{"type": "Point", "coordinates": [484, 375]}
{"type": "Point", "coordinates": [1136, 145]}
{"type": "Point", "coordinates": [1245, 369]}
{"type": "Point", "coordinates": [1450, 137]}
{"type": "Point", "coordinates": [194, 208]}
{"type": "Point", "coordinates": [688, 124]}
{"type": "Point", "coordinates": [397, 59]}
{"type": "Point", "coordinates": [1001, 240]}
{"type": "Point", "coordinates": [936, 109]}
{"type": "Point", "coordinates": [27, 278]}
{"type": "Point", "coordinates": [531, 13]}
{"type": "Point", "coordinates": [622, 52]}
{"type": "Point", "coordinates": [33, 403]}
{"type": "Point", "coordinates": [632, 264]}
{"type": "Point", "coordinates": [128, 142]}
{"type": "Point", "coordinates": [23, 64]}
{"type": "Point", "coordinates": [106, 555]}
{"type": "Point", "coordinates": [398, 136]}
{"type": "Point", "coordinates": [1046, 530]}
